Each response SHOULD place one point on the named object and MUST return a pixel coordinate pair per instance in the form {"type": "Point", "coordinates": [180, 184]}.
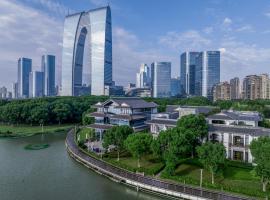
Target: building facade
{"type": "Point", "coordinates": [265, 81]}
{"type": "Point", "coordinates": [235, 88]}
{"type": "Point", "coordinates": [24, 69]}
{"type": "Point", "coordinates": [143, 78]}
{"type": "Point", "coordinates": [91, 30]}
{"type": "Point", "coordinates": [222, 91]}
{"type": "Point", "coordinates": [175, 87]}
{"type": "Point", "coordinates": [161, 79]}
{"type": "Point", "coordinates": [188, 72]}
{"type": "Point", "coordinates": [132, 112]}
{"type": "Point", "coordinates": [48, 67]}
{"type": "Point", "coordinates": [14, 90]}
{"type": "Point", "coordinates": [36, 84]}
{"type": "Point", "coordinates": [252, 87]}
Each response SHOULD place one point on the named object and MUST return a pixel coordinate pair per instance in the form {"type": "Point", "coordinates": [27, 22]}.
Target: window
{"type": "Point", "coordinates": [238, 155]}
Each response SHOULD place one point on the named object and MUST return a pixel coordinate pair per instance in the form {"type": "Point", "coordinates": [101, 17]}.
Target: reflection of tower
{"type": "Point", "coordinates": [87, 32]}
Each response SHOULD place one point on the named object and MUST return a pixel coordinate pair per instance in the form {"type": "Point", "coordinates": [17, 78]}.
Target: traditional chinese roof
{"type": "Point", "coordinates": [128, 117]}
{"type": "Point", "coordinates": [254, 131]}
{"type": "Point", "coordinates": [236, 115]}
{"type": "Point", "coordinates": [127, 102]}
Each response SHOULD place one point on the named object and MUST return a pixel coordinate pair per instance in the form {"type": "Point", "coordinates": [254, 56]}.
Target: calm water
{"type": "Point", "coordinates": [51, 174]}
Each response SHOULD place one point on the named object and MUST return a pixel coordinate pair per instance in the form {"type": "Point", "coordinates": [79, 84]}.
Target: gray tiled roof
{"type": "Point", "coordinates": [168, 122]}
{"type": "Point", "coordinates": [236, 116]}
{"type": "Point", "coordinates": [132, 102]}
{"type": "Point", "coordinates": [254, 131]}
{"type": "Point", "coordinates": [200, 109]}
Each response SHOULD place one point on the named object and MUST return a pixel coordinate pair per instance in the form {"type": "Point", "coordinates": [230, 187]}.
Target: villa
{"type": "Point", "coordinates": [132, 112]}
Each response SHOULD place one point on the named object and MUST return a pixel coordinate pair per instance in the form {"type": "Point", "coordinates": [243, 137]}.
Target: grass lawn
{"type": "Point", "coordinates": [24, 130]}
{"type": "Point", "coordinates": [234, 179]}
{"type": "Point", "coordinates": [149, 165]}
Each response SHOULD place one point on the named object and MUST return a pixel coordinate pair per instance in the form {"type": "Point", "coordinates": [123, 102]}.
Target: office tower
{"type": "Point", "coordinates": [90, 31]}
{"type": "Point", "coordinates": [252, 87]}
{"type": "Point", "coordinates": [143, 79]}
{"type": "Point", "coordinates": [36, 84]}
{"type": "Point", "coordinates": [265, 86]}
{"type": "Point", "coordinates": [210, 72]}
{"type": "Point", "coordinates": [161, 79]}
{"type": "Point", "coordinates": [24, 69]}
{"type": "Point", "coordinates": [3, 93]}
{"type": "Point", "coordinates": [48, 67]}
{"type": "Point", "coordinates": [235, 88]}
{"type": "Point", "coordinates": [188, 72]}
{"type": "Point", "coordinates": [222, 91]}
{"type": "Point", "coordinates": [15, 90]}
{"type": "Point", "coordinates": [175, 86]}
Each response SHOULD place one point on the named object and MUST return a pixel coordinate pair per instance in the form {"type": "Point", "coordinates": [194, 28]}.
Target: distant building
{"type": "Point", "coordinates": [48, 67]}
{"type": "Point", "coordinates": [143, 78]}
{"type": "Point", "coordinates": [36, 87]}
{"type": "Point", "coordinates": [252, 87]}
{"type": "Point", "coordinates": [265, 81]}
{"type": "Point", "coordinates": [91, 30]}
{"type": "Point", "coordinates": [3, 93]}
{"type": "Point", "coordinates": [188, 72]}
{"type": "Point", "coordinates": [161, 79]}
{"type": "Point", "coordinates": [222, 91]}
{"type": "Point", "coordinates": [235, 88]}
{"type": "Point", "coordinates": [114, 90]}
{"type": "Point", "coordinates": [24, 69]}
{"type": "Point", "coordinates": [15, 90]}
{"type": "Point", "coordinates": [139, 92]}
{"type": "Point", "coordinates": [175, 87]}
{"type": "Point", "coordinates": [210, 72]}
{"type": "Point", "coordinates": [132, 112]}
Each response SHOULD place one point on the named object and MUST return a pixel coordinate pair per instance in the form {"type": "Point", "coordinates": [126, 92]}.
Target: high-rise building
{"type": "Point", "coordinates": [252, 87]}
{"type": "Point", "coordinates": [161, 79]}
{"type": "Point", "coordinates": [15, 90]}
{"type": "Point", "coordinates": [24, 69]}
{"type": "Point", "coordinates": [143, 79]}
{"type": "Point", "coordinates": [36, 84]}
{"type": "Point", "coordinates": [188, 72]}
{"type": "Point", "coordinates": [48, 67]}
{"type": "Point", "coordinates": [3, 93]}
{"type": "Point", "coordinates": [91, 31]}
{"type": "Point", "coordinates": [175, 87]}
{"type": "Point", "coordinates": [265, 81]}
{"type": "Point", "coordinates": [235, 88]}
{"type": "Point", "coordinates": [222, 91]}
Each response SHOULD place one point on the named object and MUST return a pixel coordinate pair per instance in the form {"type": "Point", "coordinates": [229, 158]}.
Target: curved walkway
{"type": "Point", "coordinates": [144, 182]}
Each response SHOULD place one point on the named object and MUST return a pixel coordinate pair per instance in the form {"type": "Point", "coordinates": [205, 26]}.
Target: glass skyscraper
{"type": "Point", "coordinates": [143, 78]}
{"type": "Point", "coordinates": [161, 79]}
{"type": "Point", "coordinates": [175, 86]}
{"type": "Point", "coordinates": [87, 32]}
{"type": "Point", "coordinates": [36, 84]}
{"type": "Point", "coordinates": [188, 72]}
{"type": "Point", "coordinates": [210, 72]}
{"type": "Point", "coordinates": [48, 67]}
{"type": "Point", "coordinates": [24, 69]}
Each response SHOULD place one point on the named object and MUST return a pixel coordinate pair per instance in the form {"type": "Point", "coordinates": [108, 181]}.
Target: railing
{"type": "Point", "coordinates": [124, 175]}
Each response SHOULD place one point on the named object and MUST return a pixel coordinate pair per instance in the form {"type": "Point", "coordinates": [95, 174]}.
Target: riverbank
{"type": "Point", "coordinates": [18, 131]}
{"type": "Point", "coordinates": [144, 182]}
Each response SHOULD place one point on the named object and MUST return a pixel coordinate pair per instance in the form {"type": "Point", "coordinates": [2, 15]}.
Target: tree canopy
{"type": "Point", "coordinates": [260, 150]}
{"type": "Point", "coordinates": [212, 156]}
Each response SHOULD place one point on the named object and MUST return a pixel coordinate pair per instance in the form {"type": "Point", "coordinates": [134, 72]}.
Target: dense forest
{"type": "Point", "coordinates": [60, 110]}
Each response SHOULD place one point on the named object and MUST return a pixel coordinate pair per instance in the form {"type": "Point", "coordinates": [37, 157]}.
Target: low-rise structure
{"type": "Point", "coordinates": [122, 111]}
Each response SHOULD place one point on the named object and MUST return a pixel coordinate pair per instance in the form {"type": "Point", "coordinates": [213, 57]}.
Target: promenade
{"type": "Point", "coordinates": [141, 182]}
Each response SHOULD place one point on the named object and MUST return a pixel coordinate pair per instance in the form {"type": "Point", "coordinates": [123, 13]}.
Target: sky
{"type": "Point", "coordinates": [143, 31]}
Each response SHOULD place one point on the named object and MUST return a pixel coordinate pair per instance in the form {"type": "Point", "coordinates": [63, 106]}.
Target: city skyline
{"type": "Point", "coordinates": [234, 34]}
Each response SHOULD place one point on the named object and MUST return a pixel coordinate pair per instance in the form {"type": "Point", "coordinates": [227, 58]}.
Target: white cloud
{"type": "Point", "coordinates": [245, 28]}
{"type": "Point", "coordinates": [227, 21]}
{"type": "Point", "coordinates": [29, 33]}
{"type": "Point", "coordinates": [267, 14]}
{"type": "Point", "coordinates": [185, 41]}
{"type": "Point", "coordinates": [208, 30]}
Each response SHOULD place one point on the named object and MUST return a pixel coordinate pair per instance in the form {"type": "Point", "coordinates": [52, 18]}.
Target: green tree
{"type": "Point", "coordinates": [212, 156]}
{"type": "Point", "coordinates": [116, 136]}
{"type": "Point", "coordinates": [138, 144]}
{"type": "Point", "coordinates": [195, 128]}
{"type": "Point", "coordinates": [62, 112]}
{"type": "Point", "coordinates": [260, 150]}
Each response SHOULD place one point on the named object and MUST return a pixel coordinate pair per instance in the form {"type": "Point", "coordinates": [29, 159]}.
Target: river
{"type": "Point", "coordinates": [50, 174]}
